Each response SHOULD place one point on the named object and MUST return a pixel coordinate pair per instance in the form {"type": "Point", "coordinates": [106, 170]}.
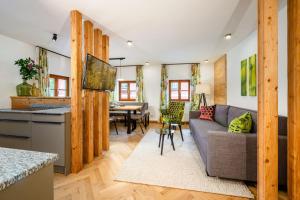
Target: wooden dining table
{"type": "Point", "coordinates": [129, 109]}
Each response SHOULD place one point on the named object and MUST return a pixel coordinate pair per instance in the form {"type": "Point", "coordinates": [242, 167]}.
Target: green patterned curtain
{"type": "Point", "coordinates": [163, 86]}
{"type": "Point", "coordinates": [43, 76]}
{"type": "Point", "coordinates": [195, 80]}
{"type": "Point", "coordinates": [140, 83]}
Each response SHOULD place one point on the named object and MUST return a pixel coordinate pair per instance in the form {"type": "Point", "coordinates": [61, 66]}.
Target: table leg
{"type": "Point", "coordinates": [134, 123]}
{"type": "Point", "coordinates": [162, 144]}
{"type": "Point", "coordinates": [128, 122]}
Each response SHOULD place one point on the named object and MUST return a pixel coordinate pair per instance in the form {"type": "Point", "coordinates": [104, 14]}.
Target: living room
{"type": "Point", "coordinates": [149, 100]}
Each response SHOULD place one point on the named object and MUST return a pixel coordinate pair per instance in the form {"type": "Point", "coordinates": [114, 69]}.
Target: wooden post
{"type": "Point", "coordinates": [105, 99]}
{"type": "Point", "coordinates": [98, 99]}
{"type": "Point", "coordinates": [76, 101]}
{"type": "Point", "coordinates": [88, 144]}
{"type": "Point", "coordinates": [294, 99]}
{"type": "Point", "coordinates": [267, 99]}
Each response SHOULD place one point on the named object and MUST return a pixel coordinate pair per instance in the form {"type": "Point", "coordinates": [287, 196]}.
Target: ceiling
{"type": "Point", "coordinates": [163, 31]}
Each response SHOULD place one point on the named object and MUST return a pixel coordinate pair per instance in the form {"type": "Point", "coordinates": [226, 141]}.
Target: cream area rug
{"type": "Point", "coordinates": [182, 168]}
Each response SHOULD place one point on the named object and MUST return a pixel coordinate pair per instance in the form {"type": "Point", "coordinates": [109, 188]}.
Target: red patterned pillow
{"type": "Point", "coordinates": [207, 113]}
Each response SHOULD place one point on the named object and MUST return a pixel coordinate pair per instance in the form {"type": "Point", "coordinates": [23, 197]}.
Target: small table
{"type": "Point", "coordinates": [162, 132]}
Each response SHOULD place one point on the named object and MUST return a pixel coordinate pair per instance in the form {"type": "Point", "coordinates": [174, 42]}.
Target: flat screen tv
{"type": "Point", "coordinates": [98, 75]}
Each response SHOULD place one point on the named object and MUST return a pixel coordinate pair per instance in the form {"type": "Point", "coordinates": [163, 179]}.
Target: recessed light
{"type": "Point", "coordinates": [54, 37]}
{"type": "Point", "coordinates": [227, 36]}
{"type": "Point", "coordinates": [129, 43]}
{"type": "Point", "coordinates": [206, 61]}
{"type": "Point", "coordinates": [147, 63]}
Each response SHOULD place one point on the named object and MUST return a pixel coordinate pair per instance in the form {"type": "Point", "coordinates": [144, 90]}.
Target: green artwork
{"type": "Point", "coordinates": [252, 75]}
{"type": "Point", "coordinates": [244, 77]}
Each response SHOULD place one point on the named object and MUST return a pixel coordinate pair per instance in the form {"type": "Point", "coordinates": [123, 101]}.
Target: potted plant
{"type": "Point", "coordinates": [28, 70]}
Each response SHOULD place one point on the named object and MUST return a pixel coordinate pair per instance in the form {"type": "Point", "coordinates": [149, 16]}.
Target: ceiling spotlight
{"type": "Point", "coordinates": [54, 37]}
{"type": "Point", "coordinates": [129, 43]}
{"type": "Point", "coordinates": [227, 36]}
{"type": "Point", "coordinates": [206, 61]}
{"type": "Point", "coordinates": [147, 63]}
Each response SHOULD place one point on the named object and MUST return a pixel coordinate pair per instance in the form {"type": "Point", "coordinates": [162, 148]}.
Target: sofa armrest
{"type": "Point", "coordinates": [194, 114]}
{"type": "Point", "coordinates": [232, 155]}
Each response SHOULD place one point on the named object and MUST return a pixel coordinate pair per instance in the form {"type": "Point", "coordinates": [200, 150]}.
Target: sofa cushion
{"type": "Point", "coordinates": [221, 112]}
{"type": "Point", "coordinates": [207, 113]}
{"type": "Point", "coordinates": [235, 112]}
{"type": "Point", "coordinates": [200, 129]}
{"type": "Point", "coordinates": [242, 124]}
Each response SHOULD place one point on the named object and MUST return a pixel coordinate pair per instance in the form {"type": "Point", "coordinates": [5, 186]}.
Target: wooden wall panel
{"type": "Point", "coordinates": [294, 99]}
{"type": "Point", "coordinates": [105, 99]}
{"type": "Point", "coordinates": [98, 99]}
{"type": "Point", "coordinates": [220, 81]}
{"type": "Point", "coordinates": [267, 99]}
{"type": "Point", "coordinates": [76, 99]}
{"type": "Point", "coordinates": [88, 145]}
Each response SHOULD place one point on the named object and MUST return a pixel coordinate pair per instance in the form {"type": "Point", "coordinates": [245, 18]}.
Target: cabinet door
{"type": "Point", "coordinates": [15, 142]}
{"type": "Point", "coordinates": [49, 137]}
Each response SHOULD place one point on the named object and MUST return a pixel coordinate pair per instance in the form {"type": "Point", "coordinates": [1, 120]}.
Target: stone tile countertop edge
{"type": "Point", "coordinates": [16, 164]}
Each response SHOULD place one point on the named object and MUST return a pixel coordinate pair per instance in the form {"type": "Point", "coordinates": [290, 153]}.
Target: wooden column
{"type": "Point", "coordinates": [294, 99]}
{"type": "Point", "coordinates": [88, 134]}
{"type": "Point", "coordinates": [98, 99]}
{"type": "Point", "coordinates": [105, 99]}
{"type": "Point", "coordinates": [76, 100]}
{"type": "Point", "coordinates": [267, 99]}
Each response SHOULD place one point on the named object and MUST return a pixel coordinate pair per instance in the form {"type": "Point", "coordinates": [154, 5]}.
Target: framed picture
{"type": "Point", "coordinates": [244, 77]}
{"type": "Point", "coordinates": [252, 75]}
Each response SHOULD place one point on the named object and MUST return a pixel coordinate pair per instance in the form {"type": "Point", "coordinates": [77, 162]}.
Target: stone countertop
{"type": "Point", "coordinates": [50, 111]}
{"type": "Point", "coordinates": [17, 164]}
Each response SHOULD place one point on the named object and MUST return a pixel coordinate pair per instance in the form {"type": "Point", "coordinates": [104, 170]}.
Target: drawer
{"type": "Point", "coordinates": [15, 128]}
{"type": "Point", "coordinates": [49, 137]}
{"type": "Point", "coordinates": [15, 116]}
{"type": "Point", "coordinates": [48, 118]}
{"type": "Point", "coordinates": [15, 142]}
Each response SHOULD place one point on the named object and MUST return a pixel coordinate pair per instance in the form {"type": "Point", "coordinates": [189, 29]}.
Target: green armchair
{"type": "Point", "coordinates": [173, 115]}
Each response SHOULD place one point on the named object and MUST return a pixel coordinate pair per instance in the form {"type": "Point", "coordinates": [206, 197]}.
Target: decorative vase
{"type": "Point", "coordinates": [24, 89]}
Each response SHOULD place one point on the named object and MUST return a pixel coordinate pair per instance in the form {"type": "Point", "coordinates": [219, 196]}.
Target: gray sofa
{"type": "Point", "coordinates": [233, 156]}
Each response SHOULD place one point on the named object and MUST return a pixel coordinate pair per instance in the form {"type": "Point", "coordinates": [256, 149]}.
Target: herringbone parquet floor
{"type": "Point", "coordinates": [96, 182]}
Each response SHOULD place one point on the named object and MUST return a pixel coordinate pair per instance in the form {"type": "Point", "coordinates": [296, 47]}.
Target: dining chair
{"type": "Point", "coordinates": [173, 115]}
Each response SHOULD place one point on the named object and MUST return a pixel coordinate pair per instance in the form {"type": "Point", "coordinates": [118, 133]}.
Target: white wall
{"type": "Point", "coordinates": [59, 65]}
{"type": "Point", "coordinates": [244, 50]}
{"type": "Point", "coordinates": [10, 51]}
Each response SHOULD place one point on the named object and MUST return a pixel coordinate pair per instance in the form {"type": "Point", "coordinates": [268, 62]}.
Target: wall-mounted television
{"type": "Point", "coordinates": [98, 75]}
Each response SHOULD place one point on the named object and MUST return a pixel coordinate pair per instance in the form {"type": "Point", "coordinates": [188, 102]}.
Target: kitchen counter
{"type": "Point", "coordinates": [50, 111]}
{"type": "Point", "coordinates": [16, 165]}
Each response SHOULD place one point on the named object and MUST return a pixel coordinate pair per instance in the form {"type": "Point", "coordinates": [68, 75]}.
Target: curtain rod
{"type": "Point", "coordinates": [54, 52]}
{"type": "Point", "coordinates": [180, 63]}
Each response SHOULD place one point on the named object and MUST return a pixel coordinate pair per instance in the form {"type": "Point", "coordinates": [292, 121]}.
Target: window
{"type": "Point", "coordinates": [58, 86]}
{"type": "Point", "coordinates": [179, 90]}
{"type": "Point", "coordinates": [127, 90]}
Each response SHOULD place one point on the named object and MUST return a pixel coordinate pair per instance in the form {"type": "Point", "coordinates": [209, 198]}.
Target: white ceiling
{"type": "Point", "coordinates": [163, 31]}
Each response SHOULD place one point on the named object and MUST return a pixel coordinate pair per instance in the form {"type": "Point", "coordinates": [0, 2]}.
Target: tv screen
{"type": "Point", "coordinates": [98, 75]}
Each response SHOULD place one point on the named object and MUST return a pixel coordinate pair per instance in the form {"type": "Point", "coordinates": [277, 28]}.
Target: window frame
{"type": "Point", "coordinates": [56, 78]}
{"type": "Point", "coordinates": [128, 90]}
{"type": "Point", "coordinates": [179, 90]}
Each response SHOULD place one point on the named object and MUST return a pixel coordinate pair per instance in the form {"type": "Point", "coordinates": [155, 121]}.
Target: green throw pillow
{"type": "Point", "coordinates": [241, 124]}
